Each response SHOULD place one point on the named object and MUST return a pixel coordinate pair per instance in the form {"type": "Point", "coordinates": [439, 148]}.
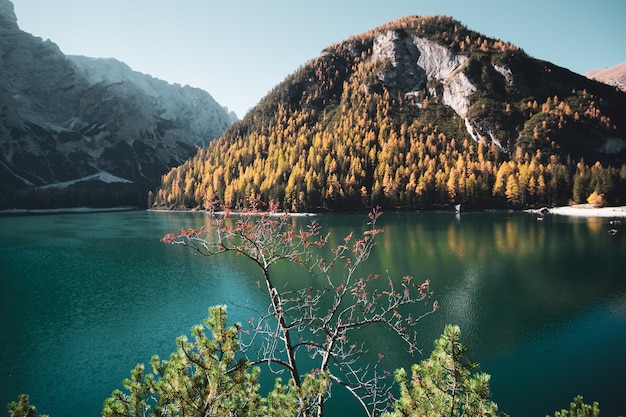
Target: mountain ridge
{"type": "Point", "coordinates": [67, 118]}
{"type": "Point", "coordinates": [614, 76]}
{"type": "Point", "coordinates": [418, 113]}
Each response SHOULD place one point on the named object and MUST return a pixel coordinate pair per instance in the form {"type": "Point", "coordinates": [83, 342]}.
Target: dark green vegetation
{"type": "Point", "coordinates": [203, 378]}
{"type": "Point", "coordinates": [338, 135]}
{"type": "Point", "coordinates": [443, 385]}
{"type": "Point", "coordinates": [95, 194]}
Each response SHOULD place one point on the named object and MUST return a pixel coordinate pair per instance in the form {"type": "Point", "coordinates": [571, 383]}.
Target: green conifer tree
{"type": "Point", "coordinates": [22, 408]}
{"type": "Point", "coordinates": [578, 408]}
{"type": "Point", "coordinates": [444, 385]}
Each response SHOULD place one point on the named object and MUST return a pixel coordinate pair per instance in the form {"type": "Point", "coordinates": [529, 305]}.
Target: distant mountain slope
{"type": "Point", "coordinates": [419, 113]}
{"type": "Point", "coordinates": [615, 76]}
{"type": "Point", "coordinates": [84, 131]}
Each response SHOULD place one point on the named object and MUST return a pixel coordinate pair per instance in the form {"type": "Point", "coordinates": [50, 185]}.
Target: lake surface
{"type": "Point", "coordinates": [541, 304]}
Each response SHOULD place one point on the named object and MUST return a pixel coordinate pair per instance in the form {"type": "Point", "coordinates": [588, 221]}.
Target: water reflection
{"type": "Point", "coordinates": [520, 271]}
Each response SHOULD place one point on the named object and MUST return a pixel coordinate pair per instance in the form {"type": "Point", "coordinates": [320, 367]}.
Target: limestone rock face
{"type": "Point", "coordinates": [417, 68]}
{"type": "Point", "coordinates": [68, 120]}
{"type": "Point", "coordinates": [8, 19]}
{"type": "Point", "coordinates": [404, 75]}
{"type": "Point", "coordinates": [414, 61]}
{"type": "Point", "coordinates": [445, 67]}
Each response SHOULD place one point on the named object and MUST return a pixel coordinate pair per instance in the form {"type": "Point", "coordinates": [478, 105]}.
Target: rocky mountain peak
{"type": "Point", "coordinates": [8, 19]}
{"type": "Point", "coordinates": [615, 75]}
{"type": "Point", "coordinates": [69, 123]}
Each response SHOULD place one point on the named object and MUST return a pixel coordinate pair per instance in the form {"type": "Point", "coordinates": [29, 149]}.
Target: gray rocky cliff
{"type": "Point", "coordinates": [67, 120]}
{"type": "Point", "coordinates": [418, 68]}
{"type": "Point", "coordinates": [421, 67]}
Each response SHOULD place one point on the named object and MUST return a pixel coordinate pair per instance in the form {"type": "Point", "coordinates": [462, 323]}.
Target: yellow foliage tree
{"type": "Point", "coordinates": [596, 200]}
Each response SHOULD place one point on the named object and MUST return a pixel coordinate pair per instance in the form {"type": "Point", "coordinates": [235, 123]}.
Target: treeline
{"type": "Point", "coordinates": [91, 194]}
{"type": "Point", "coordinates": [361, 162]}
{"type": "Point", "coordinates": [332, 137]}
{"type": "Point", "coordinates": [446, 31]}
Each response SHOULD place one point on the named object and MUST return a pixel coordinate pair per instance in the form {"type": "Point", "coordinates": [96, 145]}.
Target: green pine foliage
{"type": "Point", "coordinates": [22, 408]}
{"type": "Point", "coordinates": [445, 384]}
{"type": "Point", "coordinates": [205, 378]}
{"type": "Point", "coordinates": [201, 378]}
{"type": "Point", "coordinates": [578, 408]}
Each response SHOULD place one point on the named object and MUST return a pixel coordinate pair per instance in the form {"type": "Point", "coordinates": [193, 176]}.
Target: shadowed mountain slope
{"type": "Point", "coordinates": [85, 131]}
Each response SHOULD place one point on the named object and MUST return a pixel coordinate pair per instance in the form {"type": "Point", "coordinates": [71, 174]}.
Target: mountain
{"type": "Point", "coordinates": [419, 113]}
{"type": "Point", "coordinates": [615, 76]}
{"type": "Point", "coordinates": [86, 131]}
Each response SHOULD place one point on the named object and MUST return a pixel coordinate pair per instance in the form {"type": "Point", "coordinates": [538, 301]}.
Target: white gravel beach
{"type": "Point", "coordinates": [587, 210]}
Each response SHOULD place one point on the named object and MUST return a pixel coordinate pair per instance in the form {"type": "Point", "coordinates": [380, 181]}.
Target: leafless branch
{"type": "Point", "coordinates": [316, 321]}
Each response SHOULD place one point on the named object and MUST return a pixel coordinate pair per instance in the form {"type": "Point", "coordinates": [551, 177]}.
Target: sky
{"type": "Point", "coordinates": [238, 50]}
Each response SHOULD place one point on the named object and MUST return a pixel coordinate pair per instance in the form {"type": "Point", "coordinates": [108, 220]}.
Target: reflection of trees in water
{"type": "Point", "coordinates": [504, 275]}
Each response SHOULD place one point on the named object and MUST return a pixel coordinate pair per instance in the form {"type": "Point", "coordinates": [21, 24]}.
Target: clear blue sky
{"type": "Point", "coordinates": [239, 50]}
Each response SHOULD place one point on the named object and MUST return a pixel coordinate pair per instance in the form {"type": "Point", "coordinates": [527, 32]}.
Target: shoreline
{"type": "Point", "coordinates": [579, 210]}
{"type": "Point", "coordinates": [65, 210]}
{"type": "Point", "coordinates": [233, 213]}
{"type": "Point", "coordinates": [583, 210]}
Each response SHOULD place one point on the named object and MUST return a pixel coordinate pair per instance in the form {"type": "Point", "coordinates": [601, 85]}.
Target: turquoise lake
{"type": "Point", "coordinates": [541, 304]}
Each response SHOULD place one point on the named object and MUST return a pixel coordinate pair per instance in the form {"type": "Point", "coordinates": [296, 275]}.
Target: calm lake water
{"type": "Point", "coordinates": [541, 304]}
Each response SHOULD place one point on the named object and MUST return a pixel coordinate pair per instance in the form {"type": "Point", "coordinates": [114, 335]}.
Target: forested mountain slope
{"type": "Point", "coordinates": [419, 113]}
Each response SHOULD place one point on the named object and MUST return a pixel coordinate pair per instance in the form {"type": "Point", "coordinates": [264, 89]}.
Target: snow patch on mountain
{"type": "Point", "coordinates": [103, 176]}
